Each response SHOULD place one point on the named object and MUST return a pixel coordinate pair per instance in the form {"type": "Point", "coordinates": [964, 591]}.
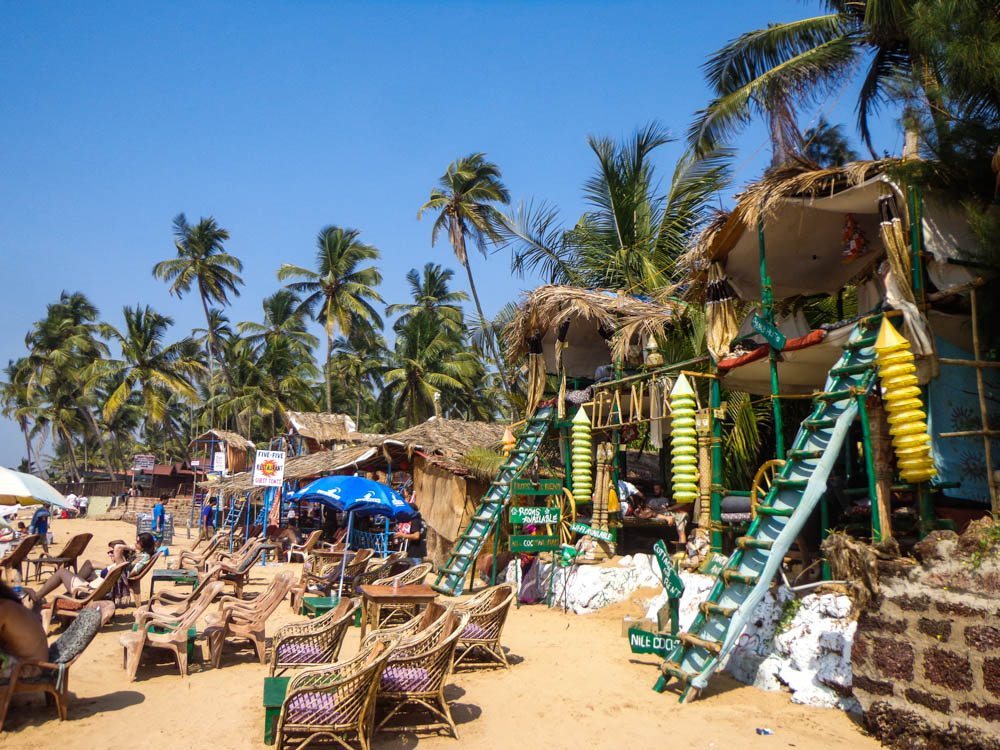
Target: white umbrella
{"type": "Point", "coordinates": [17, 488]}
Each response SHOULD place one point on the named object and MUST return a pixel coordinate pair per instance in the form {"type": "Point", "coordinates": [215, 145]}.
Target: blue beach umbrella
{"type": "Point", "coordinates": [355, 495]}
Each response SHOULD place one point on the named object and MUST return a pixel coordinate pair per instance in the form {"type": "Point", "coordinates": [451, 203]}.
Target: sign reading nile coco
{"type": "Point", "coordinates": [644, 642]}
{"type": "Point", "coordinates": [269, 469]}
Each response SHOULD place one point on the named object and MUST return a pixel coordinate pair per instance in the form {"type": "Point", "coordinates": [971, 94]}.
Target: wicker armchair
{"type": "Point", "coordinates": [335, 703]}
{"type": "Point", "coordinates": [487, 614]}
{"type": "Point", "coordinates": [245, 619]}
{"type": "Point", "coordinates": [53, 679]}
{"type": "Point", "coordinates": [65, 558]}
{"type": "Point", "coordinates": [432, 618]}
{"type": "Point", "coordinates": [416, 675]}
{"type": "Point", "coordinates": [312, 643]}
{"type": "Point", "coordinates": [328, 577]}
{"type": "Point", "coordinates": [376, 571]}
{"type": "Point", "coordinates": [175, 639]}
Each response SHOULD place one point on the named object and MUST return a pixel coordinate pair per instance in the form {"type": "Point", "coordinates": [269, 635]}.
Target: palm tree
{"type": "Point", "coordinates": [149, 367]}
{"type": "Point", "coordinates": [340, 292]}
{"type": "Point", "coordinates": [465, 201]}
{"type": "Point", "coordinates": [427, 363]}
{"type": "Point", "coordinates": [633, 234]}
{"type": "Point", "coordinates": [283, 321]}
{"type": "Point", "coordinates": [778, 69]}
{"type": "Point", "coordinates": [15, 403]}
{"type": "Point", "coordinates": [431, 298]}
{"type": "Point", "coordinates": [360, 359]}
{"type": "Point", "coordinates": [203, 263]}
{"type": "Point", "coordinates": [827, 145]}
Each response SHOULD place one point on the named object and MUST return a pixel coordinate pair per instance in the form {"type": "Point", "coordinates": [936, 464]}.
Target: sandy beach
{"type": "Point", "coordinates": [573, 683]}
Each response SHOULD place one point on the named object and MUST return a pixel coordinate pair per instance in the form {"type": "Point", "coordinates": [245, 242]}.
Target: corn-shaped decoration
{"type": "Point", "coordinates": [907, 418]}
{"type": "Point", "coordinates": [583, 477]}
{"type": "Point", "coordinates": [508, 442]}
{"type": "Point", "coordinates": [683, 442]}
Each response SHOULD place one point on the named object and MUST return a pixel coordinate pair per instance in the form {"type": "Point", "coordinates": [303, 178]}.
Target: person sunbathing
{"type": "Point", "coordinates": [87, 577]}
{"type": "Point", "coordinates": [21, 634]}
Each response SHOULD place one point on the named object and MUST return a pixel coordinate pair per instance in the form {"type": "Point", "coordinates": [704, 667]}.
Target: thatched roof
{"type": "Point", "coordinates": [233, 439]}
{"type": "Point", "coordinates": [611, 314]}
{"type": "Point", "coordinates": [298, 467]}
{"type": "Point", "coordinates": [446, 437]}
{"type": "Point", "coordinates": [325, 428]}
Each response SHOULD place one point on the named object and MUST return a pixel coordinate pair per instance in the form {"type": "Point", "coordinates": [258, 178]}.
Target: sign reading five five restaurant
{"type": "Point", "coordinates": [269, 469]}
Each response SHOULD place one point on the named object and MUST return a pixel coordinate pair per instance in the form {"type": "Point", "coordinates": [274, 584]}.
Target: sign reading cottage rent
{"type": "Point", "coordinates": [672, 580]}
{"type": "Point", "coordinates": [269, 469]}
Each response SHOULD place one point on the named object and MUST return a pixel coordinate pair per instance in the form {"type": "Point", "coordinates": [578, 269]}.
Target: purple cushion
{"type": "Point", "coordinates": [474, 631]}
{"type": "Point", "coordinates": [397, 679]}
{"type": "Point", "coordinates": [298, 653]}
{"type": "Point", "coordinates": [316, 708]}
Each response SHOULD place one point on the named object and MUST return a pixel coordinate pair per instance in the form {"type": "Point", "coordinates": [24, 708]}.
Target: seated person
{"type": "Point", "coordinates": [629, 497]}
{"type": "Point", "coordinates": [21, 634]}
{"type": "Point", "coordinates": [86, 578]}
{"type": "Point", "coordinates": [675, 515]}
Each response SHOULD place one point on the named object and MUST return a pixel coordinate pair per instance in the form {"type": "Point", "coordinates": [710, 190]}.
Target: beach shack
{"type": "Point", "coordinates": [220, 451]}
{"type": "Point", "coordinates": [312, 432]}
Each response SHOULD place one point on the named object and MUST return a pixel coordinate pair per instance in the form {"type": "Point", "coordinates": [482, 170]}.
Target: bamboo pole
{"type": "Point", "coordinates": [984, 416]}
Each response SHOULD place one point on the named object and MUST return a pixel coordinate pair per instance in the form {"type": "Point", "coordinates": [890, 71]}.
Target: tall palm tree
{"type": "Point", "coordinates": [340, 292]}
{"type": "Point", "coordinates": [283, 321]}
{"type": "Point", "coordinates": [202, 263]}
{"type": "Point", "coordinates": [779, 69]}
{"type": "Point", "coordinates": [431, 298]}
{"type": "Point", "coordinates": [15, 403]}
{"type": "Point", "coordinates": [150, 367]}
{"type": "Point", "coordinates": [466, 200]}
{"type": "Point", "coordinates": [360, 359]}
{"type": "Point", "coordinates": [632, 234]}
{"type": "Point", "coordinates": [827, 145]}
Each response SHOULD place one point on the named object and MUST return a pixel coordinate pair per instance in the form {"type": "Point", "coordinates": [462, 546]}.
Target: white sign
{"type": "Point", "coordinates": [143, 462]}
{"type": "Point", "coordinates": [219, 462]}
{"type": "Point", "coordinates": [269, 469]}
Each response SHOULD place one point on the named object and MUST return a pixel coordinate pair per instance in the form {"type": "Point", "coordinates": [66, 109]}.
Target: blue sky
{"type": "Point", "coordinates": [278, 118]}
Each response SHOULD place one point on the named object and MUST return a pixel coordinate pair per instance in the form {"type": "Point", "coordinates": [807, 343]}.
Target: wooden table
{"type": "Point", "coordinates": [379, 596]}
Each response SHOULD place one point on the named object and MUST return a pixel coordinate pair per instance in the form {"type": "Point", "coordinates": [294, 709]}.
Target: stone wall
{"type": "Point", "coordinates": [926, 655]}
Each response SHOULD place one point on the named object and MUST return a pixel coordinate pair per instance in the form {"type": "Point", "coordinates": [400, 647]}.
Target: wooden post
{"type": "Point", "coordinates": [984, 416]}
{"type": "Point", "coordinates": [882, 453]}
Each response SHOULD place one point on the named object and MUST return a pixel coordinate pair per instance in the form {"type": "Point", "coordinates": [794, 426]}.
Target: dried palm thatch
{"type": "Point", "coordinates": [297, 467]}
{"type": "Point", "coordinates": [445, 437]}
{"type": "Point", "coordinates": [548, 307]}
{"type": "Point", "coordinates": [234, 440]}
{"type": "Point", "coordinates": [324, 428]}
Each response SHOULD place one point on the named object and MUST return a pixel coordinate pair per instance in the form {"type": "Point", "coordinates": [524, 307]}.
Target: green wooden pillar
{"type": "Point", "coordinates": [767, 299]}
{"type": "Point", "coordinates": [715, 402]}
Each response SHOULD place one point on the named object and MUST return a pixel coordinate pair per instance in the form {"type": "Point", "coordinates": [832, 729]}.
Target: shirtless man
{"type": "Point", "coordinates": [21, 634]}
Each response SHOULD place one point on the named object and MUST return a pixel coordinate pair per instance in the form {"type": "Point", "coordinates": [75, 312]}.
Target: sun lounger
{"type": "Point", "coordinates": [65, 558]}
{"type": "Point", "coordinates": [67, 607]}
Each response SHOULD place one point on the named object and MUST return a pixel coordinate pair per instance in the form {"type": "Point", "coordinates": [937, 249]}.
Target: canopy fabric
{"type": "Point", "coordinates": [25, 489]}
{"type": "Point", "coordinates": [355, 495]}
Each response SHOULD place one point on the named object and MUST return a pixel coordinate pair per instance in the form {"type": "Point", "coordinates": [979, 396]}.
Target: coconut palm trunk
{"type": "Point", "coordinates": [326, 369]}
{"type": "Point", "coordinates": [96, 429]}
{"type": "Point", "coordinates": [882, 454]}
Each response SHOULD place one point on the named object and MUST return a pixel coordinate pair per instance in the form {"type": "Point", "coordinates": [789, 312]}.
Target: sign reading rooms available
{"type": "Point", "coordinates": [533, 515]}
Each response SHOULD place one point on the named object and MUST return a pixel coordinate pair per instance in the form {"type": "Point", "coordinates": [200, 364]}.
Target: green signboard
{"type": "Point", "coordinates": [585, 530]}
{"type": "Point", "coordinates": [714, 564]}
{"type": "Point", "coordinates": [523, 543]}
{"type": "Point", "coordinates": [644, 642]}
{"type": "Point", "coordinates": [672, 580]}
{"type": "Point", "coordinates": [537, 516]}
{"type": "Point", "coordinates": [769, 331]}
{"type": "Point", "coordinates": [547, 486]}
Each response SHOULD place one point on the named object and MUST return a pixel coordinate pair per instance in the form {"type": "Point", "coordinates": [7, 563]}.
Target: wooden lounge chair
{"type": "Point", "coordinates": [14, 559]}
{"type": "Point", "coordinates": [303, 550]}
{"type": "Point", "coordinates": [418, 669]}
{"type": "Point", "coordinates": [328, 578]}
{"type": "Point", "coordinates": [67, 607]}
{"type": "Point", "coordinates": [335, 704]}
{"type": "Point", "coordinates": [54, 677]}
{"type": "Point", "coordinates": [312, 643]}
{"type": "Point", "coordinates": [245, 619]}
{"type": "Point", "coordinates": [134, 580]}
{"type": "Point", "coordinates": [175, 637]}
{"type": "Point", "coordinates": [172, 604]}
{"type": "Point", "coordinates": [65, 558]}
{"type": "Point", "coordinates": [487, 614]}
{"type": "Point", "coordinates": [399, 614]}
{"type": "Point", "coordinates": [190, 559]}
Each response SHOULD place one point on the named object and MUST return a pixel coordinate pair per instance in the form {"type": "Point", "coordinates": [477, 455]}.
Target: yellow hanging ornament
{"type": "Point", "coordinates": [683, 442]}
{"type": "Point", "coordinates": [907, 417]}
{"type": "Point", "coordinates": [508, 442]}
{"type": "Point", "coordinates": [581, 456]}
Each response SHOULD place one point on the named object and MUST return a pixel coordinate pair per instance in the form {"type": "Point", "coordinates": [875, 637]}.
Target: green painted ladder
{"type": "Point", "coordinates": [780, 518]}
{"type": "Point", "coordinates": [451, 578]}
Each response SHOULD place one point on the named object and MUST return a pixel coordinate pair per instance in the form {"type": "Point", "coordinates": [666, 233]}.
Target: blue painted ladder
{"type": "Point", "coordinates": [451, 578]}
{"type": "Point", "coordinates": [780, 518]}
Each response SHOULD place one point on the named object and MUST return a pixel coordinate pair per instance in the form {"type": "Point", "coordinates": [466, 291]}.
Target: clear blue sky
{"type": "Point", "coordinates": [278, 118]}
